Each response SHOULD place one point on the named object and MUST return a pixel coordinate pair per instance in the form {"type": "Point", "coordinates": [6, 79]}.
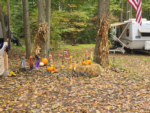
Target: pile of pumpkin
{"type": "Point", "coordinates": [49, 68]}
{"type": "Point", "coordinates": [87, 62]}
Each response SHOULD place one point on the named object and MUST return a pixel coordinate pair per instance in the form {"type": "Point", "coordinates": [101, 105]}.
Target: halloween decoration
{"type": "Point", "coordinates": [41, 36]}
{"type": "Point", "coordinates": [45, 61]}
{"type": "Point", "coordinates": [93, 70]}
{"type": "Point", "coordinates": [103, 33]}
{"type": "Point", "coordinates": [12, 74]}
{"type": "Point", "coordinates": [37, 62]}
{"type": "Point", "coordinates": [83, 62]}
{"type": "Point", "coordinates": [23, 63]}
{"type": "Point", "coordinates": [31, 63]}
{"type": "Point", "coordinates": [60, 55]}
{"type": "Point", "coordinates": [86, 54]}
{"type": "Point", "coordinates": [50, 59]}
{"type": "Point", "coordinates": [91, 56]}
{"type": "Point", "coordinates": [55, 70]}
{"type": "Point", "coordinates": [50, 68]}
{"type": "Point", "coordinates": [41, 64]}
{"type": "Point", "coordinates": [4, 60]}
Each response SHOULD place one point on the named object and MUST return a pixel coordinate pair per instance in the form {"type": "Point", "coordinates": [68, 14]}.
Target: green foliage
{"type": "Point", "coordinates": [70, 19]}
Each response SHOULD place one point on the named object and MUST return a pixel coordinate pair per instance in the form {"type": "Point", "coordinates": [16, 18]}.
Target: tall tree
{"type": "Point", "coordinates": [2, 24]}
{"type": "Point", "coordinates": [8, 14]}
{"type": "Point", "coordinates": [103, 9]}
{"type": "Point", "coordinates": [42, 19]}
{"type": "Point", "coordinates": [26, 27]}
{"type": "Point", "coordinates": [44, 8]}
{"type": "Point", "coordinates": [121, 19]}
{"type": "Point", "coordinates": [48, 19]}
{"type": "Point", "coordinates": [127, 8]}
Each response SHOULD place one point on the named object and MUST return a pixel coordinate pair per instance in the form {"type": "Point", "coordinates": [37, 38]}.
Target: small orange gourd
{"type": "Point", "coordinates": [45, 61]}
{"type": "Point", "coordinates": [50, 68]}
{"type": "Point", "coordinates": [56, 70]}
{"type": "Point", "coordinates": [83, 62]}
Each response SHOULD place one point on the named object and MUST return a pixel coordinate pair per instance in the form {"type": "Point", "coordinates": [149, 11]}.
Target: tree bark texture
{"type": "Point", "coordinates": [127, 14]}
{"type": "Point", "coordinates": [2, 24]}
{"type": "Point", "coordinates": [121, 19]}
{"type": "Point", "coordinates": [42, 19]}
{"type": "Point", "coordinates": [103, 9]}
{"type": "Point", "coordinates": [48, 20]}
{"type": "Point", "coordinates": [27, 27]}
{"type": "Point", "coordinates": [8, 14]}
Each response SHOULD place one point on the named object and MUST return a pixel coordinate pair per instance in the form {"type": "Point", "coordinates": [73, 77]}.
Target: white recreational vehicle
{"type": "Point", "coordinates": [131, 35]}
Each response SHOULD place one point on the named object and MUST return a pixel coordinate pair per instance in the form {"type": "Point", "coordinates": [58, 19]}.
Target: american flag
{"type": "Point", "coordinates": [137, 5]}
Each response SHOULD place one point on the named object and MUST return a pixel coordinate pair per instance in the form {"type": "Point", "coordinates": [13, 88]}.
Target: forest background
{"type": "Point", "coordinates": [71, 20]}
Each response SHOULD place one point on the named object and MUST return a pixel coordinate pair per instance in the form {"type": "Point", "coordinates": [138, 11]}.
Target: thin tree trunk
{"type": "Point", "coordinates": [2, 24]}
{"type": "Point", "coordinates": [103, 8]}
{"type": "Point", "coordinates": [42, 19]}
{"type": "Point", "coordinates": [127, 8]}
{"type": "Point", "coordinates": [27, 27]}
{"type": "Point", "coordinates": [62, 5]}
{"type": "Point", "coordinates": [9, 33]}
{"type": "Point", "coordinates": [130, 11]}
{"type": "Point", "coordinates": [121, 19]}
{"type": "Point", "coordinates": [48, 19]}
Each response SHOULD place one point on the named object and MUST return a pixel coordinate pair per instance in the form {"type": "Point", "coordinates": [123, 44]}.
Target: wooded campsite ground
{"type": "Point", "coordinates": [123, 87]}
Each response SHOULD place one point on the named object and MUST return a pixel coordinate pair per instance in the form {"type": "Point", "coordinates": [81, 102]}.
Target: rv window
{"type": "Point", "coordinates": [127, 32]}
{"type": "Point", "coordinates": [145, 34]}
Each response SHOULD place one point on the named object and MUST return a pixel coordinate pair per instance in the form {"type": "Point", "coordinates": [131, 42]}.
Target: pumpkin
{"type": "Point", "coordinates": [83, 63]}
{"type": "Point", "coordinates": [56, 70]}
{"type": "Point", "coordinates": [50, 68]}
{"type": "Point", "coordinates": [45, 61]}
{"type": "Point", "coordinates": [89, 62]}
{"type": "Point", "coordinates": [30, 57]}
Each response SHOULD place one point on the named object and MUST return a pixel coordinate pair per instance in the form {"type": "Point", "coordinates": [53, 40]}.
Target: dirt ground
{"type": "Point", "coordinates": [124, 86]}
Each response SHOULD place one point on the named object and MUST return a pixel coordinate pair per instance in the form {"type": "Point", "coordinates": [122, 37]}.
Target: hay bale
{"type": "Point", "coordinates": [93, 70]}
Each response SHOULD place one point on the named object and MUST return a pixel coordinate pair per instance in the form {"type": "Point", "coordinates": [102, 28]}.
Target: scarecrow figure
{"type": "Point", "coordinates": [37, 65]}
{"type": "Point", "coordinates": [31, 63]}
{"type": "Point", "coordinates": [23, 63]}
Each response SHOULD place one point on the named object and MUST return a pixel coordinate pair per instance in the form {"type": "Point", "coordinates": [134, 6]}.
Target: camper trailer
{"type": "Point", "coordinates": [129, 34]}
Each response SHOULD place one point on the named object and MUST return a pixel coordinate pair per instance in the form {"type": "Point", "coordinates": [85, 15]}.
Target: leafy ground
{"type": "Point", "coordinates": [123, 87]}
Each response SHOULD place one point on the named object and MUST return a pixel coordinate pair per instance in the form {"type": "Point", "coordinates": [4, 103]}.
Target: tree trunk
{"type": "Point", "coordinates": [8, 14]}
{"type": "Point", "coordinates": [27, 28]}
{"type": "Point", "coordinates": [121, 19]}
{"type": "Point", "coordinates": [127, 8]}
{"type": "Point", "coordinates": [48, 19]}
{"type": "Point", "coordinates": [62, 5]}
{"type": "Point", "coordinates": [2, 24]}
{"type": "Point", "coordinates": [42, 19]}
{"type": "Point", "coordinates": [103, 8]}
{"type": "Point", "coordinates": [130, 11]}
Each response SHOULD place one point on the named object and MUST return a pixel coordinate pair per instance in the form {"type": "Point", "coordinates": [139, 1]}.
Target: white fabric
{"type": "Point", "coordinates": [2, 68]}
{"type": "Point", "coordinates": [3, 48]}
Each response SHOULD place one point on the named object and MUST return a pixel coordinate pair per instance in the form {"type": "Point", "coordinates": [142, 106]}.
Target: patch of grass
{"type": "Point", "coordinates": [13, 46]}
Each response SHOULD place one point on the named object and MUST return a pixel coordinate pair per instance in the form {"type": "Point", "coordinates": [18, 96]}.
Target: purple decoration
{"type": "Point", "coordinates": [37, 65]}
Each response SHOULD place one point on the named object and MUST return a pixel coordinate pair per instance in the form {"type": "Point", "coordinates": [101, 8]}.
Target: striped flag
{"type": "Point", "coordinates": [137, 5]}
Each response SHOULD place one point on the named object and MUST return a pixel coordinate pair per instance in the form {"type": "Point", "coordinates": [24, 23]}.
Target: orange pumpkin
{"type": "Point", "coordinates": [30, 57]}
{"type": "Point", "coordinates": [50, 68]}
{"type": "Point", "coordinates": [45, 61]}
{"type": "Point", "coordinates": [56, 70]}
{"type": "Point", "coordinates": [83, 63]}
{"type": "Point", "coordinates": [89, 62]}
